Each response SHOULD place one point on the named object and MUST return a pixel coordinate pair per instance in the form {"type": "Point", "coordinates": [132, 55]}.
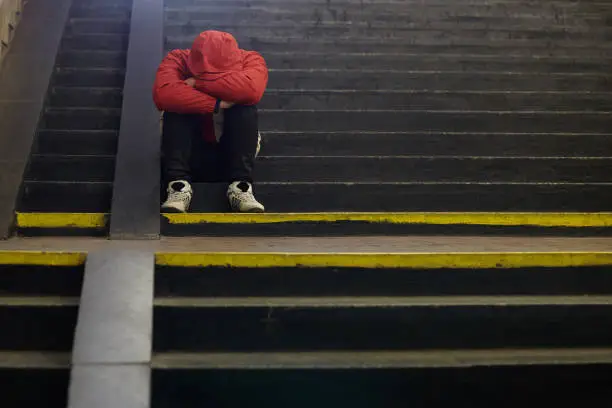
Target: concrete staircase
{"type": "Point", "coordinates": [381, 118]}
{"type": "Point", "coordinates": [304, 329]}
{"type": "Point", "coordinates": [72, 165]}
{"type": "Point", "coordinates": [39, 300]}
{"type": "Point", "coordinates": [416, 107]}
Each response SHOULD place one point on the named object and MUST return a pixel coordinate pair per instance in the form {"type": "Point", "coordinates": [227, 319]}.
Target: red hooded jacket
{"type": "Point", "coordinates": [222, 72]}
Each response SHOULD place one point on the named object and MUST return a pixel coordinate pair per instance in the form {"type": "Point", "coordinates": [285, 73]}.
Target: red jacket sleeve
{"type": "Point", "coordinates": [246, 87]}
{"type": "Point", "coordinates": [170, 93]}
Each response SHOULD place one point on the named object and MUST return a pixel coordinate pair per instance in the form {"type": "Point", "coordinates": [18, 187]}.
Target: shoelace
{"type": "Point", "coordinates": [183, 196]}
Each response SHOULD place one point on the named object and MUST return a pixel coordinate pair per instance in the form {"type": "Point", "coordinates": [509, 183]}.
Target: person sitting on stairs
{"type": "Point", "coordinates": [208, 96]}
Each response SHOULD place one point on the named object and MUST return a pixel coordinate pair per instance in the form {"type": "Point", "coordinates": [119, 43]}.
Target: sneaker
{"type": "Point", "coordinates": [258, 144]}
{"type": "Point", "coordinates": [179, 197]}
{"type": "Point", "coordinates": [241, 198]}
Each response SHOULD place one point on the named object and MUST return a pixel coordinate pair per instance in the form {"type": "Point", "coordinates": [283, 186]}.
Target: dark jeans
{"type": "Point", "coordinates": [186, 156]}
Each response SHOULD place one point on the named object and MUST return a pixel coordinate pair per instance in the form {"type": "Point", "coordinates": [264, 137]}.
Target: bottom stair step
{"type": "Point", "coordinates": [345, 223]}
{"type": "Point", "coordinates": [432, 197]}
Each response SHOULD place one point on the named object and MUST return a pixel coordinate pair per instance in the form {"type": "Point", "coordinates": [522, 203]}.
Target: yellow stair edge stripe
{"type": "Point", "coordinates": [61, 220]}
{"type": "Point", "coordinates": [42, 258]}
{"type": "Point", "coordinates": [541, 219]}
{"type": "Point", "coordinates": [434, 260]}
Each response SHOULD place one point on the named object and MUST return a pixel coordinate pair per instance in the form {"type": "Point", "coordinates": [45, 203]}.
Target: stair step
{"type": "Point", "coordinates": [80, 142]}
{"type": "Point", "coordinates": [372, 360]}
{"type": "Point", "coordinates": [391, 45]}
{"type": "Point", "coordinates": [28, 327]}
{"type": "Point", "coordinates": [387, 12]}
{"type": "Point", "coordinates": [91, 59]}
{"type": "Point", "coordinates": [71, 168]}
{"type": "Point", "coordinates": [438, 144]}
{"type": "Point", "coordinates": [62, 96]}
{"type": "Point", "coordinates": [357, 280]}
{"type": "Point", "coordinates": [385, 223]}
{"type": "Point", "coordinates": [104, 3]}
{"type": "Point", "coordinates": [418, 6]}
{"type": "Point", "coordinates": [393, 388]}
{"type": "Point", "coordinates": [46, 372]}
{"type": "Point", "coordinates": [383, 196]}
{"type": "Point", "coordinates": [81, 119]}
{"type": "Point", "coordinates": [448, 61]}
{"type": "Point", "coordinates": [437, 121]}
{"type": "Point", "coordinates": [91, 42]}
{"type": "Point", "coordinates": [359, 323]}
{"type": "Point", "coordinates": [40, 280]}
{"type": "Point", "coordinates": [84, 197]}
{"type": "Point", "coordinates": [119, 12]}
{"type": "Point", "coordinates": [428, 99]}
{"type": "Point", "coordinates": [79, 26]}
{"type": "Point", "coordinates": [458, 35]}
{"type": "Point", "coordinates": [39, 301]}
{"type": "Point", "coordinates": [431, 169]}
{"type": "Point", "coordinates": [341, 79]}
{"type": "Point", "coordinates": [89, 77]}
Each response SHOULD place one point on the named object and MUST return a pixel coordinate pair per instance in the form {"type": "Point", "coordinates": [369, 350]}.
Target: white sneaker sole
{"type": "Point", "coordinates": [172, 210]}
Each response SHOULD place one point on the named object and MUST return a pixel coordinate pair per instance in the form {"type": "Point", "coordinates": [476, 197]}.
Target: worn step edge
{"type": "Point", "coordinates": [34, 360]}
{"type": "Point", "coordinates": [61, 220]}
{"type": "Point", "coordinates": [436, 218]}
{"type": "Point", "coordinates": [433, 260]}
{"type": "Point", "coordinates": [51, 258]}
{"type": "Point", "coordinates": [382, 359]}
{"type": "Point", "coordinates": [379, 301]}
{"type": "Point", "coordinates": [38, 301]}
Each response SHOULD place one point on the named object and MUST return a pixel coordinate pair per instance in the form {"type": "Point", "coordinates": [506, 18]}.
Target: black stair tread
{"type": "Point", "coordinates": [50, 382]}
{"type": "Point", "coordinates": [27, 360]}
{"type": "Point", "coordinates": [37, 326]}
{"type": "Point", "coordinates": [74, 96]}
{"type": "Point", "coordinates": [351, 44]}
{"type": "Point", "coordinates": [431, 169]}
{"type": "Point", "coordinates": [436, 99]}
{"type": "Point", "coordinates": [343, 79]}
{"type": "Point", "coordinates": [423, 120]}
{"type": "Point", "coordinates": [380, 359]}
{"type": "Point", "coordinates": [89, 76]}
{"type": "Point", "coordinates": [81, 119]}
{"type": "Point", "coordinates": [497, 386]}
{"type": "Point", "coordinates": [110, 42]}
{"type": "Point", "coordinates": [364, 197]}
{"type": "Point", "coordinates": [437, 61]}
{"type": "Point", "coordinates": [91, 58]}
{"type": "Point", "coordinates": [417, 32]}
{"type": "Point", "coordinates": [98, 25]}
{"type": "Point", "coordinates": [383, 325]}
{"type": "Point", "coordinates": [390, 13]}
{"type": "Point", "coordinates": [79, 142]}
{"type": "Point", "coordinates": [71, 168]}
{"type": "Point", "coordinates": [87, 197]}
{"type": "Point", "coordinates": [438, 144]}
{"type": "Point", "coordinates": [101, 11]}
{"type": "Point", "coordinates": [215, 282]}
{"type": "Point", "coordinates": [420, 8]}
{"type": "Point", "coordinates": [40, 280]}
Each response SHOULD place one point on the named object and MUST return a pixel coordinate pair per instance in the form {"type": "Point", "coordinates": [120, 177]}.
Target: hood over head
{"type": "Point", "coordinates": [213, 55]}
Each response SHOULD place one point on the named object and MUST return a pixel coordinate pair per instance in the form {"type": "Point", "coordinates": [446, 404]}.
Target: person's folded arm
{"type": "Point", "coordinates": [172, 94]}
{"type": "Point", "coordinates": [244, 87]}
